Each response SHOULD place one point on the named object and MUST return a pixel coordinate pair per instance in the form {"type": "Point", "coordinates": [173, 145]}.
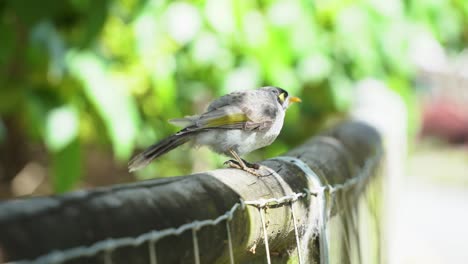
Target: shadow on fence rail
{"type": "Point", "coordinates": [220, 216]}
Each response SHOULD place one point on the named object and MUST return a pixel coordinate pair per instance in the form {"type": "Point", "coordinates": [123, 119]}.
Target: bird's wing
{"type": "Point", "coordinates": [230, 99]}
{"type": "Point", "coordinates": [234, 117]}
{"type": "Point", "coordinates": [247, 110]}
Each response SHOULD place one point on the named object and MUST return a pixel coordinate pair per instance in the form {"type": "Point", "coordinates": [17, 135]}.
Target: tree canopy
{"type": "Point", "coordinates": [76, 73]}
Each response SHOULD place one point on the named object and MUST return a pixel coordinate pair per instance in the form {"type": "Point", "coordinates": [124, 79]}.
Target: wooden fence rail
{"type": "Point", "coordinates": [126, 223]}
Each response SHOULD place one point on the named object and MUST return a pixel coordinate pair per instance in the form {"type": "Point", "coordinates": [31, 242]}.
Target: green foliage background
{"type": "Point", "coordinates": [76, 73]}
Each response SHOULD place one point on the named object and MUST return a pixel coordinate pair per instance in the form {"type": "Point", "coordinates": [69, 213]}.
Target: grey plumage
{"type": "Point", "coordinates": [233, 124]}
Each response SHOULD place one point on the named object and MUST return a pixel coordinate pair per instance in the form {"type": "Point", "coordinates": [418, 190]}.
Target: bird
{"type": "Point", "coordinates": [233, 125]}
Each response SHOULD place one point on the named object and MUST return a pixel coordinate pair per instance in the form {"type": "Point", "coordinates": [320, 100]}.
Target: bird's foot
{"type": "Point", "coordinates": [255, 166]}
{"type": "Point", "coordinates": [233, 164]}
{"type": "Point", "coordinates": [255, 172]}
{"type": "Point", "coordinates": [253, 169]}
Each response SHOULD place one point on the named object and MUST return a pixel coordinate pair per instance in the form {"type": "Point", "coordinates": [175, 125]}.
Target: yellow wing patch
{"type": "Point", "coordinates": [227, 120]}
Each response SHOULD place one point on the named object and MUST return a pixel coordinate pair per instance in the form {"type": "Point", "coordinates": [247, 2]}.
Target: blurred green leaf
{"type": "Point", "coordinates": [244, 77]}
{"type": "Point", "coordinates": [314, 68]}
{"type": "Point", "coordinates": [117, 109]}
{"type": "Point", "coordinates": [37, 107]}
{"type": "Point", "coordinates": [10, 99]}
{"type": "Point", "coordinates": [8, 41]}
{"type": "Point", "coordinates": [220, 15]}
{"type": "Point", "coordinates": [31, 12]}
{"type": "Point", "coordinates": [66, 166]}
{"type": "Point", "coordinates": [146, 34]}
{"type": "Point", "coordinates": [113, 72]}
{"type": "Point", "coordinates": [342, 93]}
{"type": "Point", "coordinates": [45, 35]}
{"type": "Point", "coordinates": [96, 15]}
{"type": "Point", "coordinates": [61, 128]}
{"type": "Point", "coordinates": [182, 21]}
{"type": "Point", "coordinates": [2, 131]}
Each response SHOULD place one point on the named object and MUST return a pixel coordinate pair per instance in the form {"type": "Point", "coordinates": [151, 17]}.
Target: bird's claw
{"type": "Point", "coordinates": [253, 169]}
{"type": "Point", "coordinates": [233, 164]}
{"type": "Point", "coordinates": [252, 165]}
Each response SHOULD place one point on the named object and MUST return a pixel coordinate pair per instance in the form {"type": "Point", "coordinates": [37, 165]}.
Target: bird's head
{"type": "Point", "coordinates": [284, 99]}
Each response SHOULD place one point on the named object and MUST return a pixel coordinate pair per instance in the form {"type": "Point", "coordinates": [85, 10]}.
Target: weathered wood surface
{"type": "Point", "coordinates": [32, 227]}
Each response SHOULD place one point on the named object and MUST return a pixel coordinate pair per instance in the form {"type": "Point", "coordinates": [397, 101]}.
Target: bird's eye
{"type": "Point", "coordinates": [281, 97]}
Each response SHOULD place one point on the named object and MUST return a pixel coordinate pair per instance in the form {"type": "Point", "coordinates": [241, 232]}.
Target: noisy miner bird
{"type": "Point", "coordinates": [233, 125]}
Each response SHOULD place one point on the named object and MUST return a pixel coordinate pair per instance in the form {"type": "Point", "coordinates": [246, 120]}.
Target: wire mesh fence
{"type": "Point", "coordinates": [289, 212]}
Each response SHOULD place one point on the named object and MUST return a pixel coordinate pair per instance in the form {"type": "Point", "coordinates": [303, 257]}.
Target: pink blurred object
{"type": "Point", "coordinates": [444, 118]}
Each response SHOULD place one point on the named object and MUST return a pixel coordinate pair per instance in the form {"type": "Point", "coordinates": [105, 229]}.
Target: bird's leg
{"type": "Point", "coordinates": [237, 163]}
{"type": "Point", "coordinates": [241, 164]}
{"type": "Point", "coordinates": [251, 165]}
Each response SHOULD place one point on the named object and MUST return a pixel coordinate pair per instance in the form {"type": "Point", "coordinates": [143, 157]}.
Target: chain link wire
{"type": "Point", "coordinates": [109, 245]}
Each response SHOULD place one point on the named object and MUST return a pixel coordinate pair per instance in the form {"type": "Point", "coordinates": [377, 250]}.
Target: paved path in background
{"type": "Point", "coordinates": [432, 226]}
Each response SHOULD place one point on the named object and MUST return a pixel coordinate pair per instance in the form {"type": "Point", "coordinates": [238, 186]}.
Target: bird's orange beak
{"type": "Point", "coordinates": [294, 99]}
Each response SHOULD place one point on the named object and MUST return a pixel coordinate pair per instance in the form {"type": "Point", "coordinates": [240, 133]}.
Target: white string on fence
{"type": "Point", "coordinates": [109, 245]}
{"type": "Point", "coordinates": [108, 257]}
{"type": "Point", "coordinates": [196, 250]}
{"type": "Point", "coordinates": [321, 206]}
{"type": "Point", "coordinates": [296, 234]}
{"type": "Point", "coordinates": [152, 251]}
{"type": "Point", "coordinates": [265, 234]}
{"type": "Point", "coordinates": [325, 192]}
{"type": "Point", "coordinates": [228, 231]}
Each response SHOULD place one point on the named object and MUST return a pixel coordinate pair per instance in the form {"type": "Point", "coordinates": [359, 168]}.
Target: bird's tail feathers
{"type": "Point", "coordinates": [158, 149]}
{"type": "Point", "coordinates": [184, 121]}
